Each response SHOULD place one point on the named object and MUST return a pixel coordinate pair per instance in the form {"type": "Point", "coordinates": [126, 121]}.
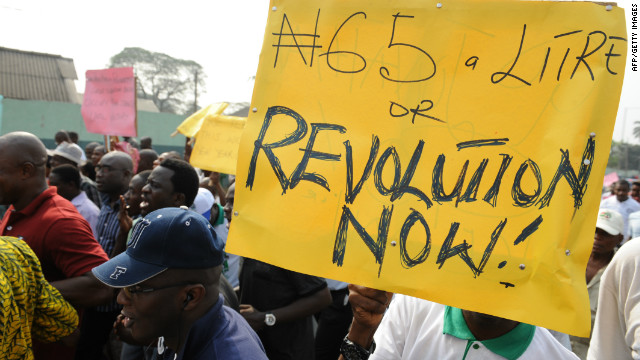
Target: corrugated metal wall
{"type": "Point", "coordinates": [37, 76]}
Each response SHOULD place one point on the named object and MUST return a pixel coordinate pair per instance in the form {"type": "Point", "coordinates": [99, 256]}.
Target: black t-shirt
{"type": "Point", "coordinates": [267, 287]}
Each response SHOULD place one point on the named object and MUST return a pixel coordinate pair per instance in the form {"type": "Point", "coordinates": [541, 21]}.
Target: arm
{"type": "Point", "coordinates": [84, 290]}
{"type": "Point", "coordinates": [126, 223]}
{"type": "Point", "coordinates": [368, 307]}
{"type": "Point", "coordinates": [300, 308]}
{"type": "Point", "coordinates": [54, 318]}
{"type": "Point", "coordinates": [214, 183]}
{"type": "Point", "coordinates": [75, 252]}
{"type": "Point", "coordinates": [50, 317]}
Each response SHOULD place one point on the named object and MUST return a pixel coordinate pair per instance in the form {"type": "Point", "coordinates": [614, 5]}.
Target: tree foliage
{"type": "Point", "coordinates": [624, 158]}
{"type": "Point", "coordinates": [636, 129]}
{"type": "Point", "coordinates": [172, 84]}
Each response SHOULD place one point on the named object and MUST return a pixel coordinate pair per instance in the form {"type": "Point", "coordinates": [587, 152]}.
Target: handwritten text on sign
{"type": "Point", "coordinates": [217, 143]}
{"type": "Point", "coordinates": [109, 104]}
{"type": "Point", "coordinates": [453, 153]}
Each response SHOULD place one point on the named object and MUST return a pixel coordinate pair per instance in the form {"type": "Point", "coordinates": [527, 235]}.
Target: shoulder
{"type": "Point", "coordinates": [545, 346]}
{"type": "Point", "coordinates": [86, 181]}
{"type": "Point", "coordinates": [625, 265]}
{"type": "Point", "coordinates": [59, 216]}
{"type": "Point", "coordinates": [231, 338]}
{"type": "Point", "coordinates": [608, 201]}
{"type": "Point", "coordinates": [629, 253]}
{"type": "Point", "coordinates": [56, 208]}
{"type": "Point", "coordinates": [632, 204]}
{"type": "Point", "coordinates": [416, 304]}
{"type": "Point", "coordinates": [82, 201]}
{"type": "Point", "coordinates": [412, 328]}
{"type": "Point", "coordinates": [16, 253]}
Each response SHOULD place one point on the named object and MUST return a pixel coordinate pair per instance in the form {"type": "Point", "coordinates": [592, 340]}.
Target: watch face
{"type": "Point", "coordinates": [270, 319]}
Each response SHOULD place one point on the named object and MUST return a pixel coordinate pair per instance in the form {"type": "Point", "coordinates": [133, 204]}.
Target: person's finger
{"type": "Point", "coordinates": [375, 301]}
{"type": "Point", "coordinates": [123, 204]}
{"type": "Point", "coordinates": [383, 297]}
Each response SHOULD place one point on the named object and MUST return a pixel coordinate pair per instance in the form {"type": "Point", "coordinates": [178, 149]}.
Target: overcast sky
{"type": "Point", "coordinates": [225, 37]}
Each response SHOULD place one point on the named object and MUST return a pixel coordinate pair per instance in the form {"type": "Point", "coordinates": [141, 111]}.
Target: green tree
{"type": "Point", "coordinates": [624, 158]}
{"type": "Point", "coordinates": [172, 84]}
{"type": "Point", "coordinates": [636, 129]}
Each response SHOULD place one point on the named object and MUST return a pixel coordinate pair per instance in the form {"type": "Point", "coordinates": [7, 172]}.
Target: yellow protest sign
{"type": "Point", "coordinates": [191, 125]}
{"type": "Point", "coordinates": [453, 152]}
{"type": "Point", "coordinates": [217, 143]}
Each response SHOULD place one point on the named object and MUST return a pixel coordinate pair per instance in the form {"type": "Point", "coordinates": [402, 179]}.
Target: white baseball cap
{"type": "Point", "coordinates": [610, 221]}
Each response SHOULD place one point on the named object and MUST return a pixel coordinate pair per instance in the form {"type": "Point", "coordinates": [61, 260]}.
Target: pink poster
{"type": "Point", "coordinates": [109, 104]}
{"type": "Point", "coordinates": [610, 179]}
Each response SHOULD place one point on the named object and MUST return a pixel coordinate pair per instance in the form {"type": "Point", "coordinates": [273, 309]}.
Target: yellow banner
{"type": "Point", "coordinates": [451, 151]}
{"type": "Point", "coordinates": [191, 125]}
{"type": "Point", "coordinates": [217, 143]}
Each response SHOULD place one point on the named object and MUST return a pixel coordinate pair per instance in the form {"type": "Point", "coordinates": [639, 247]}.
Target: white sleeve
{"type": "Point", "coordinates": [391, 334]}
{"type": "Point", "coordinates": [616, 333]}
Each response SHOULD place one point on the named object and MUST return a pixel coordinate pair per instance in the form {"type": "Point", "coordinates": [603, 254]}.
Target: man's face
{"type": "Point", "coordinates": [10, 178]}
{"type": "Point", "coordinates": [228, 207]}
{"type": "Point", "coordinates": [621, 191]}
{"type": "Point", "coordinates": [635, 192]}
{"type": "Point", "coordinates": [158, 192]}
{"type": "Point", "coordinates": [88, 150]}
{"type": "Point", "coordinates": [111, 175]}
{"type": "Point", "coordinates": [133, 196]}
{"type": "Point", "coordinates": [604, 243]}
{"type": "Point", "coordinates": [150, 315]}
{"type": "Point", "coordinates": [97, 154]}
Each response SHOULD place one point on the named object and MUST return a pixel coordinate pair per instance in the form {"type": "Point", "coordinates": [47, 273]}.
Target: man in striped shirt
{"type": "Point", "coordinates": [113, 173]}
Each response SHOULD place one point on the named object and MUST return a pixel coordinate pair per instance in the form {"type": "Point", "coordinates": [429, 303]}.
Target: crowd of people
{"type": "Point", "coordinates": [113, 251]}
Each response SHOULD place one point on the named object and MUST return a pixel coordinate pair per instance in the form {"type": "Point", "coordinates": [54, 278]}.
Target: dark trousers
{"type": "Point", "coordinates": [333, 325]}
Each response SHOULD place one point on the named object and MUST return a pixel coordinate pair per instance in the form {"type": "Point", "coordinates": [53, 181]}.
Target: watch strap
{"type": "Point", "coordinates": [353, 351]}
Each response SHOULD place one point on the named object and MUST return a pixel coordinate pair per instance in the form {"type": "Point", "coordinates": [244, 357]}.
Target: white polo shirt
{"type": "Point", "coordinates": [418, 329]}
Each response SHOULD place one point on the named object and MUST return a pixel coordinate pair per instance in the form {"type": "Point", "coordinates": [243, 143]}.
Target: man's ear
{"type": "Point", "coordinates": [193, 296]}
{"type": "Point", "coordinates": [27, 170]}
{"type": "Point", "coordinates": [179, 199]}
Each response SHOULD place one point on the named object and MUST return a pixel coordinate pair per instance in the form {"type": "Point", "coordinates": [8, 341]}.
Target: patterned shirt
{"type": "Point", "coordinates": [106, 232]}
{"type": "Point", "coordinates": [29, 305]}
{"type": "Point", "coordinates": [108, 226]}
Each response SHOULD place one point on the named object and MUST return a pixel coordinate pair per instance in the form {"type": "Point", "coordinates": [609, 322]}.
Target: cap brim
{"type": "Point", "coordinates": [610, 230]}
{"type": "Point", "coordinates": [66, 156]}
{"type": "Point", "coordinates": [123, 271]}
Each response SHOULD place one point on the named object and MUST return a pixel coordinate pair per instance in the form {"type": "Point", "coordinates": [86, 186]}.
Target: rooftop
{"type": "Point", "coordinates": [27, 75]}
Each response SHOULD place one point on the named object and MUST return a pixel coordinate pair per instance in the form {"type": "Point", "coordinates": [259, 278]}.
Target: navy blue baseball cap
{"type": "Point", "coordinates": [164, 239]}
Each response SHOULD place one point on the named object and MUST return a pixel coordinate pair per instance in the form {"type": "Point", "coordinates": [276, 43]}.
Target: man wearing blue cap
{"type": "Point", "coordinates": [169, 278]}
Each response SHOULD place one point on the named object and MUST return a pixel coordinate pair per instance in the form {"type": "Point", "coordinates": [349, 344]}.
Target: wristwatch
{"type": "Point", "coordinates": [269, 319]}
{"type": "Point", "coordinates": [353, 351]}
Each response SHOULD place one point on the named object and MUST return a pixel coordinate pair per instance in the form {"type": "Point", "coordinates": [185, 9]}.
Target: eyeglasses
{"type": "Point", "coordinates": [130, 290]}
{"type": "Point", "coordinates": [105, 168]}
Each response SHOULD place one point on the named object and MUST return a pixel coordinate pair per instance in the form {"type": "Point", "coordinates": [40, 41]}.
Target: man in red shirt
{"type": "Point", "coordinates": [50, 224]}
